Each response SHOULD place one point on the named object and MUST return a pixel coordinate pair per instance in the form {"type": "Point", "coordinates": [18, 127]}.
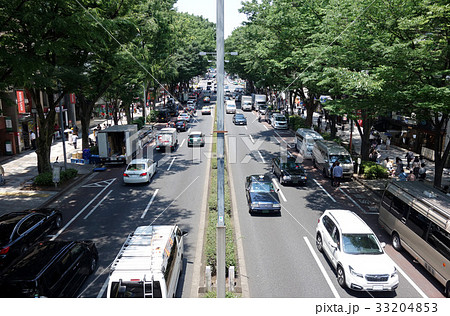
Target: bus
{"type": "Point", "coordinates": [417, 217]}
{"type": "Point", "coordinates": [305, 139]}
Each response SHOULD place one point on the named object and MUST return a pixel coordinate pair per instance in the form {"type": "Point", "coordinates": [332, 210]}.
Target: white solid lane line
{"type": "Point", "coordinates": [80, 212]}
{"type": "Point", "coordinates": [282, 139]}
{"type": "Point", "coordinates": [251, 138]}
{"type": "Point", "coordinates": [332, 198]}
{"type": "Point", "coordinates": [98, 204]}
{"type": "Point", "coordinates": [170, 165]}
{"type": "Point", "coordinates": [262, 158]}
{"type": "Point", "coordinates": [149, 203]}
{"type": "Point", "coordinates": [182, 142]}
{"type": "Point", "coordinates": [275, 183]}
{"type": "Point", "coordinates": [354, 202]}
{"type": "Point", "coordinates": [322, 269]}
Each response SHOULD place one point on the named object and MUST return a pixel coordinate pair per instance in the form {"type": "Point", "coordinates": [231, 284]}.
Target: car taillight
{"type": "Point", "coordinates": [125, 175]}
{"type": "Point", "coordinates": [143, 174]}
{"type": "Point", "coordinates": [4, 251]}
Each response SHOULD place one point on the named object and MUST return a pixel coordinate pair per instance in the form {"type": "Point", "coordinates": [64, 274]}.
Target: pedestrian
{"type": "Point", "coordinates": [388, 143]}
{"type": "Point", "coordinates": [33, 140]}
{"type": "Point", "coordinates": [411, 176]}
{"type": "Point", "coordinates": [331, 173]}
{"type": "Point", "coordinates": [399, 166]}
{"type": "Point", "coordinates": [2, 175]}
{"type": "Point", "coordinates": [409, 157]}
{"type": "Point", "coordinates": [402, 175]}
{"type": "Point", "coordinates": [422, 172]}
{"type": "Point", "coordinates": [337, 174]}
{"type": "Point", "coordinates": [416, 166]}
{"type": "Point", "coordinates": [74, 140]}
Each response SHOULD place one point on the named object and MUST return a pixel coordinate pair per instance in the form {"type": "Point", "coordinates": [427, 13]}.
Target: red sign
{"type": "Point", "coordinates": [72, 98]}
{"type": "Point", "coordinates": [20, 101]}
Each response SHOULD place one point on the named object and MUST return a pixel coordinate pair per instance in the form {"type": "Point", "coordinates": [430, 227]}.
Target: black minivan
{"type": "Point", "coordinates": [50, 269]}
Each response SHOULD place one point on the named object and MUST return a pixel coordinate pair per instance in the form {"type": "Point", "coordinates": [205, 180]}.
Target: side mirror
{"type": "Point", "coordinates": [333, 245]}
{"type": "Point", "coordinates": [383, 244]}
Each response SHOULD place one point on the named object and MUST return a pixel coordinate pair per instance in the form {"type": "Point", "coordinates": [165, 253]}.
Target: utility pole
{"type": "Point", "coordinates": [220, 228]}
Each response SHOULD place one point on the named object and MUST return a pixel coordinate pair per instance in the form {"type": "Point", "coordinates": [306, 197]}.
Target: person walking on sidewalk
{"type": "Point", "coordinates": [337, 174]}
{"type": "Point", "coordinates": [331, 173]}
{"type": "Point", "coordinates": [409, 157]}
{"type": "Point", "coordinates": [422, 172]}
{"type": "Point", "coordinates": [2, 175]}
{"type": "Point", "coordinates": [388, 143]}
{"type": "Point", "coordinates": [402, 175]}
{"type": "Point", "coordinates": [33, 140]}
{"type": "Point", "coordinates": [74, 140]}
{"type": "Point", "coordinates": [399, 166]}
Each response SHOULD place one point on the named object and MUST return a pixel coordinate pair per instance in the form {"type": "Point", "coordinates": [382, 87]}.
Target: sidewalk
{"type": "Point", "coordinates": [21, 169]}
{"type": "Point", "coordinates": [392, 153]}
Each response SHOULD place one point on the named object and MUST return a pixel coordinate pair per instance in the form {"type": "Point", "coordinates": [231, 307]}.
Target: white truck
{"type": "Point", "coordinates": [246, 103]}
{"type": "Point", "coordinates": [259, 100]}
{"type": "Point", "coordinates": [149, 264]}
{"type": "Point", "coordinates": [167, 138]}
{"type": "Point", "coordinates": [116, 144]}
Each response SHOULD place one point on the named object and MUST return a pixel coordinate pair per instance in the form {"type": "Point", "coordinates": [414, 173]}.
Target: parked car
{"type": "Point", "coordinates": [287, 170]}
{"type": "Point", "coordinates": [206, 99]}
{"type": "Point", "coordinates": [139, 171]}
{"type": "Point", "coordinates": [181, 126]}
{"type": "Point", "coordinates": [206, 110]}
{"type": "Point", "coordinates": [19, 230]}
{"type": "Point", "coordinates": [50, 269]}
{"type": "Point", "coordinates": [355, 252]}
{"type": "Point", "coordinates": [261, 195]}
{"type": "Point", "coordinates": [239, 119]}
{"type": "Point", "coordinates": [196, 139]}
{"type": "Point", "coordinates": [279, 121]}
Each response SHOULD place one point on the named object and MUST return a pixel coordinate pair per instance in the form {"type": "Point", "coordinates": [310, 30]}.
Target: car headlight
{"type": "Point", "coordinates": [276, 205]}
{"type": "Point", "coordinates": [394, 274]}
{"type": "Point", "coordinates": [255, 204]}
{"type": "Point", "coordinates": [355, 273]}
{"type": "Point", "coordinates": [287, 177]}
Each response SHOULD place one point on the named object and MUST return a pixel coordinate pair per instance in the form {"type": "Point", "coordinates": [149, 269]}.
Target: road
{"type": "Point", "coordinates": [280, 255]}
{"type": "Point", "coordinates": [105, 210]}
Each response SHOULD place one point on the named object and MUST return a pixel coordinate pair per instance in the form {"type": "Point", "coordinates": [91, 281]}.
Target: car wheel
{"type": "Point", "coordinates": [24, 249]}
{"type": "Point", "coordinates": [324, 172]}
{"type": "Point", "coordinates": [341, 276]}
{"type": "Point", "coordinates": [396, 243]}
{"type": "Point", "coordinates": [447, 290]}
{"type": "Point", "coordinates": [58, 222]}
{"type": "Point", "coordinates": [93, 265]}
{"type": "Point", "coordinates": [319, 242]}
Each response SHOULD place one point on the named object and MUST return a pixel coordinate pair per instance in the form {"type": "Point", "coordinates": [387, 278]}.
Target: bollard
{"type": "Point", "coordinates": [208, 278]}
{"type": "Point", "coordinates": [231, 278]}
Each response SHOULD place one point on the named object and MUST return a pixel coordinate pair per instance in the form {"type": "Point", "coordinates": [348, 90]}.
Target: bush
{"type": "Point", "coordinates": [46, 179]}
{"type": "Point", "coordinates": [296, 122]}
{"type": "Point", "coordinates": [372, 170]}
{"type": "Point", "coordinates": [152, 116]}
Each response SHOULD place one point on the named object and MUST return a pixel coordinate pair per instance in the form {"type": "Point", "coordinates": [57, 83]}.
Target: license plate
{"type": "Point", "coordinates": [378, 288]}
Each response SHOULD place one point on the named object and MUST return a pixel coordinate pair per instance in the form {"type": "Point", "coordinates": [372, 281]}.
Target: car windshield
{"type": "Point", "coordinates": [341, 158]}
{"type": "Point", "coordinates": [262, 187]}
{"type": "Point", "coordinates": [291, 166]}
{"type": "Point", "coordinates": [361, 244]}
{"type": "Point", "coordinates": [280, 118]}
{"type": "Point", "coordinates": [239, 116]}
{"type": "Point", "coordinates": [136, 166]}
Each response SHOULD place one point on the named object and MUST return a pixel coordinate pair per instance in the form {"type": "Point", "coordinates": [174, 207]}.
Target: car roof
{"type": "Point", "coordinates": [194, 133]}
{"type": "Point", "coordinates": [349, 222]}
{"type": "Point", "coordinates": [260, 178]}
{"type": "Point", "coordinates": [134, 161]}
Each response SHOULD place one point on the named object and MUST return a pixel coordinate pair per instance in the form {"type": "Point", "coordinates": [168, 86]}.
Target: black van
{"type": "Point", "coordinates": [50, 269]}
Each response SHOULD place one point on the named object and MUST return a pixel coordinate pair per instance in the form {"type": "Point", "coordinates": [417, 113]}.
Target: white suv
{"type": "Point", "coordinates": [355, 252]}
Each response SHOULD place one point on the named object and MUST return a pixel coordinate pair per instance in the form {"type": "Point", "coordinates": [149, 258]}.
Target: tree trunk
{"type": "Point", "coordinates": [440, 157]}
{"type": "Point", "coordinates": [364, 133]}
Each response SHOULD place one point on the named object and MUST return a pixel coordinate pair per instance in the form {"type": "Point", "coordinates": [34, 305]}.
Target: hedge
{"type": "Point", "coordinates": [46, 179]}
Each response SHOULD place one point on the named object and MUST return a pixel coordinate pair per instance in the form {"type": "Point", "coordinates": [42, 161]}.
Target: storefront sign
{"type": "Point", "coordinates": [20, 101]}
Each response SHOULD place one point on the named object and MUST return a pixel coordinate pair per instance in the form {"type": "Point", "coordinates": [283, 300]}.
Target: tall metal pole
{"type": "Point", "coordinates": [220, 228]}
{"type": "Point", "coordinates": [62, 128]}
{"type": "Point", "coordinates": [145, 105]}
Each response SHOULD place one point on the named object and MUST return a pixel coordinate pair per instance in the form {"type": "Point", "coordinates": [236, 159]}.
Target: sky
{"type": "Point", "coordinates": [207, 9]}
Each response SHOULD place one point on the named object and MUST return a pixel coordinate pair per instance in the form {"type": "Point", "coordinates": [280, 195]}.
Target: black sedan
{"type": "Point", "coordinates": [261, 195]}
{"type": "Point", "coordinates": [288, 171]}
{"type": "Point", "coordinates": [181, 125]}
{"type": "Point", "coordinates": [239, 119]}
{"type": "Point", "coordinates": [19, 230]}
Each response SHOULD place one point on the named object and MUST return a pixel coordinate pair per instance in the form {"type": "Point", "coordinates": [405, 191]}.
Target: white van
{"type": "Point", "coordinates": [326, 152]}
{"type": "Point", "coordinates": [149, 264]}
{"type": "Point", "coordinates": [305, 140]}
{"type": "Point", "coordinates": [230, 107]}
{"type": "Point", "coordinates": [167, 138]}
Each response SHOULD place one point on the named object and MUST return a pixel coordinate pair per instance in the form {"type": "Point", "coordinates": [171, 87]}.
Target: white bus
{"type": "Point", "coordinates": [148, 265]}
{"type": "Point", "coordinates": [418, 219]}
{"type": "Point", "coordinates": [305, 139]}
